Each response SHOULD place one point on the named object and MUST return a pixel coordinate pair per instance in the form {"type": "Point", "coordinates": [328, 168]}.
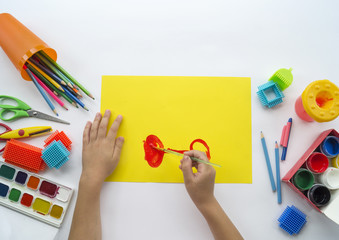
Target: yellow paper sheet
{"type": "Point", "coordinates": [179, 110]}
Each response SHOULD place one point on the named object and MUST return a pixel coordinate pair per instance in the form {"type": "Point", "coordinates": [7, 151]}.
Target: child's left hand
{"type": "Point", "coordinates": [101, 151]}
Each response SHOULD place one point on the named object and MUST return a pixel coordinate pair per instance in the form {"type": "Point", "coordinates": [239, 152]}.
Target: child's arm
{"type": "Point", "coordinates": [100, 156]}
{"type": "Point", "coordinates": [200, 187]}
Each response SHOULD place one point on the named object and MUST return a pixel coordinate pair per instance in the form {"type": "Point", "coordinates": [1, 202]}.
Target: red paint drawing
{"type": "Point", "coordinates": [154, 156]}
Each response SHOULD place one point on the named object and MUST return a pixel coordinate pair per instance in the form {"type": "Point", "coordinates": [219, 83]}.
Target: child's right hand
{"type": "Point", "coordinates": [199, 185]}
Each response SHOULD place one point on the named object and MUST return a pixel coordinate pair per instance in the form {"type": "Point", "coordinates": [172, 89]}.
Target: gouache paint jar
{"type": "Point", "coordinates": [303, 179]}
{"type": "Point", "coordinates": [330, 178]}
{"type": "Point", "coordinates": [317, 163]}
{"type": "Point", "coordinates": [319, 195]}
{"type": "Point", "coordinates": [330, 146]}
{"type": "Point", "coordinates": [335, 161]}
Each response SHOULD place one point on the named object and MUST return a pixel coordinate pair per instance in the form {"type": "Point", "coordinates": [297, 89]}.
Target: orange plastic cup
{"type": "Point", "coordinates": [19, 43]}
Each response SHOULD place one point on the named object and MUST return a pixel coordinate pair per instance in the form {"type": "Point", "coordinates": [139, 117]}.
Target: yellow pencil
{"type": "Point", "coordinates": [57, 85]}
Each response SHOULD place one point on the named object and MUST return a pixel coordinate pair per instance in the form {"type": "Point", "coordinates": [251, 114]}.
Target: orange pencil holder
{"type": "Point", "coordinates": [19, 43]}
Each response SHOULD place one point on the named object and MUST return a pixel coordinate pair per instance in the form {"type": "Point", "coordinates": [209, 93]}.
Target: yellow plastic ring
{"type": "Point", "coordinates": [321, 100]}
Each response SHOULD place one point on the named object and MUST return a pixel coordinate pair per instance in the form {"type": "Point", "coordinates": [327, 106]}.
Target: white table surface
{"type": "Point", "coordinates": [181, 38]}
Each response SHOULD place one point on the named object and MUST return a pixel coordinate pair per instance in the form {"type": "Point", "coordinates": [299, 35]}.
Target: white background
{"type": "Point", "coordinates": [181, 38]}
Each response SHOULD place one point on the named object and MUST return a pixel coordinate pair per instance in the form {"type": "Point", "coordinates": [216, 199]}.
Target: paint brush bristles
{"type": "Point", "coordinates": [180, 154]}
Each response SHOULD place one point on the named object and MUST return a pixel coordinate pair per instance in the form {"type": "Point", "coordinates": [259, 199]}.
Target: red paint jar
{"type": "Point", "coordinates": [317, 162]}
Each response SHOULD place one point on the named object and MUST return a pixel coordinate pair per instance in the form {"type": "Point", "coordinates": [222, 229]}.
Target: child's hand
{"type": "Point", "coordinates": [199, 185]}
{"type": "Point", "coordinates": [101, 151]}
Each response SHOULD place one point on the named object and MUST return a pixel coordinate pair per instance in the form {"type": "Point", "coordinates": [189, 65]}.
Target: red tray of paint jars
{"type": "Point", "coordinates": [331, 209]}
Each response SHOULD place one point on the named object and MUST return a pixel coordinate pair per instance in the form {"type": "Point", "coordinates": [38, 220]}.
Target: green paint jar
{"type": "Point", "coordinates": [303, 179]}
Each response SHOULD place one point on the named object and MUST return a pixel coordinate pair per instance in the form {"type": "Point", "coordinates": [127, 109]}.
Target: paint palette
{"type": "Point", "coordinates": [33, 195]}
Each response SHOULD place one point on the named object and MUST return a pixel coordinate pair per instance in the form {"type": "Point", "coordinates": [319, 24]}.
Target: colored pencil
{"type": "Point", "coordinates": [42, 78]}
{"type": "Point", "coordinates": [48, 72]}
{"type": "Point", "coordinates": [57, 85]}
{"type": "Point", "coordinates": [70, 95]}
{"type": "Point", "coordinates": [66, 74]}
{"type": "Point", "coordinates": [61, 103]}
{"type": "Point", "coordinates": [277, 166]}
{"type": "Point", "coordinates": [268, 163]}
{"type": "Point", "coordinates": [77, 92]}
{"type": "Point", "coordinates": [53, 68]}
{"type": "Point", "coordinates": [50, 85]}
{"type": "Point", "coordinates": [180, 154]}
{"type": "Point", "coordinates": [53, 76]}
{"type": "Point", "coordinates": [41, 90]}
{"type": "Point", "coordinates": [71, 91]}
{"type": "Point", "coordinates": [286, 138]}
{"type": "Point", "coordinates": [68, 99]}
{"type": "Point", "coordinates": [43, 64]}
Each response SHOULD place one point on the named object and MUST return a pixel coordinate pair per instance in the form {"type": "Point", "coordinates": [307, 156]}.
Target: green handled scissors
{"type": "Point", "coordinates": [23, 110]}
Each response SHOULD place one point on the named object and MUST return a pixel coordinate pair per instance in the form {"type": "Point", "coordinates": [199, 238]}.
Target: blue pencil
{"type": "Point", "coordinates": [41, 90]}
{"type": "Point", "coordinates": [268, 163]}
{"type": "Point", "coordinates": [277, 166]}
{"type": "Point", "coordinates": [69, 94]}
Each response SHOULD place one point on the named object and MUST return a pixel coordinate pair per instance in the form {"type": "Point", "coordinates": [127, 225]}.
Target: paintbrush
{"type": "Point", "coordinates": [180, 154]}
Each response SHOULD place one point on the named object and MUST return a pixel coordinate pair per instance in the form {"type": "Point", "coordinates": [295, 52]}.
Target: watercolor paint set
{"type": "Point", "coordinates": [33, 195]}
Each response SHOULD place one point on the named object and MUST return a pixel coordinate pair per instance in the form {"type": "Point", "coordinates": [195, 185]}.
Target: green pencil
{"type": "Point", "coordinates": [64, 72]}
{"type": "Point", "coordinates": [53, 69]}
{"type": "Point", "coordinates": [180, 154]}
